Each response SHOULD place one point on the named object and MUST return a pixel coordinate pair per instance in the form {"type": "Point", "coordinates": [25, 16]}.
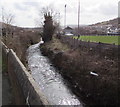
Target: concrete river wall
{"type": "Point", "coordinates": [25, 89]}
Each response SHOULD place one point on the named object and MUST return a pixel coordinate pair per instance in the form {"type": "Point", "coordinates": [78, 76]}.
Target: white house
{"type": "Point", "coordinates": [68, 31]}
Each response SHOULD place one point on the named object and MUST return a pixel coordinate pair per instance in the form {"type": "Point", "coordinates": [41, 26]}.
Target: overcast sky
{"type": "Point", "coordinates": [91, 11]}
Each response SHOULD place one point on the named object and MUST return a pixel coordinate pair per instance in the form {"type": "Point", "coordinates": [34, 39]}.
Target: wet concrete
{"type": "Point", "coordinates": [50, 82]}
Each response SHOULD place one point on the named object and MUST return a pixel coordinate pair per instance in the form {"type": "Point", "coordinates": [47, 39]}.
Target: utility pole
{"type": "Point", "coordinates": [78, 17]}
{"type": "Point", "coordinates": [119, 17]}
{"type": "Point", "coordinates": [65, 17]}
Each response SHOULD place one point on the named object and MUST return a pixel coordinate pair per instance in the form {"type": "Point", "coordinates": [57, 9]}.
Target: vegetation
{"type": "Point", "coordinates": [102, 39]}
{"type": "Point", "coordinates": [55, 44]}
{"type": "Point", "coordinates": [20, 41]}
{"type": "Point", "coordinates": [76, 66]}
{"type": "Point", "coordinates": [7, 19]}
{"type": "Point", "coordinates": [48, 28]}
{"type": "Point", "coordinates": [51, 24]}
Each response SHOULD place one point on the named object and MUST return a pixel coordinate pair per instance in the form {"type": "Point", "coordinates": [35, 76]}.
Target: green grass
{"type": "Point", "coordinates": [102, 39]}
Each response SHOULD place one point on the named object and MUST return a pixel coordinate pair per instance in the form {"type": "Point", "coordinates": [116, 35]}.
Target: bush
{"type": "Point", "coordinates": [48, 28]}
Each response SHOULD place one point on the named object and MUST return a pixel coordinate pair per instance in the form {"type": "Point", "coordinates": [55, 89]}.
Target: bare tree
{"type": "Point", "coordinates": [7, 19]}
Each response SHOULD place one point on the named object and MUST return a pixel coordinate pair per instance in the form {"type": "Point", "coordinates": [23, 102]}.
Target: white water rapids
{"type": "Point", "coordinates": [50, 82]}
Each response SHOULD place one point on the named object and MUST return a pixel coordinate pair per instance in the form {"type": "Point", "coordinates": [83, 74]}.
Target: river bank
{"type": "Point", "coordinates": [48, 79]}
{"type": "Point", "coordinates": [92, 78]}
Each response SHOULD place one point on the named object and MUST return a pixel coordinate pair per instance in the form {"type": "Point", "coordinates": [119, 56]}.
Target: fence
{"type": "Point", "coordinates": [109, 34]}
{"type": "Point", "coordinates": [96, 47]}
{"type": "Point", "coordinates": [25, 89]}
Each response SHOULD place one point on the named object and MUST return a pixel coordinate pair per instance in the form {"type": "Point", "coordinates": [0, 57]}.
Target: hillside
{"type": "Point", "coordinates": [17, 29]}
{"type": "Point", "coordinates": [105, 27]}
{"type": "Point", "coordinates": [19, 39]}
{"type": "Point", "coordinates": [113, 22]}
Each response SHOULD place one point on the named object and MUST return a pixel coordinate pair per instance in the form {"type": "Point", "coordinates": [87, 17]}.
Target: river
{"type": "Point", "coordinates": [50, 81]}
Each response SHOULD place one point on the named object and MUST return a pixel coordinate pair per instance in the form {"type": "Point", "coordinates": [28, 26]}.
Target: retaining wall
{"type": "Point", "coordinates": [25, 89]}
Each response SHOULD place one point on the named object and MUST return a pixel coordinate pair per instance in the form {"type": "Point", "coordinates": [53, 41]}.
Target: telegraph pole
{"type": "Point", "coordinates": [119, 17]}
{"type": "Point", "coordinates": [65, 17]}
{"type": "Point", "coordinates": [78, 17]}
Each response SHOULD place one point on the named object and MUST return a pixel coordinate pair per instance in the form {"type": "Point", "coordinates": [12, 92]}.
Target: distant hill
{"type": "Point", "coordinates": [18, 29]}
{"type": "Point", "coordinates": [2, 25]}
{"type": "Point", "coordinates": [105, 27]}
{"type": "Point", "coordinates": [113, 22]}
{"type": "Point", "coordinates": [98, 28]}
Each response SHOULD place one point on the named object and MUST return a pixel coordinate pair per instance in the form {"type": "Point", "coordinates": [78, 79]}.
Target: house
{"type": "Point", "coordinates": [112, 30]}
{"type": "Point", "coordinates": [68, 31]}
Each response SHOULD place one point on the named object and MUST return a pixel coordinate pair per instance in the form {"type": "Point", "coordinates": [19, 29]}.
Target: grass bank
{"type": "Point", "coordinates": [77, 66]}
{"type": "Point", "coordinates": [20, 41]}
{"type": "Point", "coordinates": [103, 39]}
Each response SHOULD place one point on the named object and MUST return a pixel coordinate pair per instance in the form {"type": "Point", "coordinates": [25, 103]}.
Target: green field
{"type": "Point", "coordinates": [102, 39]}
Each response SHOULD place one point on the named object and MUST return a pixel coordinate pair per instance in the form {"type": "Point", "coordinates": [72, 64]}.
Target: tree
{"type": "Point", "coordinates": [50, 23]}
{"type": "Point", "coordinates": [48, 27]}
{"type": "Point", "coordinates": [7, 19]}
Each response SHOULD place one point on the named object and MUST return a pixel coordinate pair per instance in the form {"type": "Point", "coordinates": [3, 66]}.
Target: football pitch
{"type": "Point", "coordinates": [103, 39]}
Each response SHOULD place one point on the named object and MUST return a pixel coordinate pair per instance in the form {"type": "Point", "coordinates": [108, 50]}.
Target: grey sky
{"type": "Point", "coordinates": [91, 11]}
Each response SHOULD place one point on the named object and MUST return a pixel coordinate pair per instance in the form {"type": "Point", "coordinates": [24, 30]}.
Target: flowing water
{"type": "Point", "coordinates": [50, 82]}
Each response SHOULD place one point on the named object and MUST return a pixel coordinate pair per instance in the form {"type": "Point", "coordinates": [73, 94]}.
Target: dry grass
{"type": "Point", "coordinates": [55, 44]}
{"type": "Point", "coordinates": [20, 41]}
{"type": "Point", "coordinates": [76, 64]}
